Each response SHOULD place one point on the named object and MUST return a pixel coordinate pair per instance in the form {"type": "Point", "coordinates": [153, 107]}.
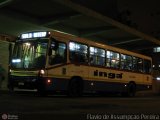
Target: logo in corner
{"type": "Point", "coordinates": [4, 116]}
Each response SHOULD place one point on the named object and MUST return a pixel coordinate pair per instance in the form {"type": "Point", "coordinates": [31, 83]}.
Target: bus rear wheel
{"type": "Point", "coordinates": [75, 87]}
{"type": "Point", "coordinates": [131, 90]}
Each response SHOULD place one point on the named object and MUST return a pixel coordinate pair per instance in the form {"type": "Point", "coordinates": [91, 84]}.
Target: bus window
{"type": "Point", "coordinates": [97, 56]}
{"type": "Point", "coordinates": [147, 66]}
{"type": "Point", "coordinates": [140, 65]}
{"type": "Point", "coordinates": [126, 62]}
{"type": "Point", "coordinates": [135, 65]}
{"type": "Point", "coordinates": [112, 59]}
{"type": "Point", "coordinates": [58, 53]}
{"type": "Point", "coordinates": [78, 52]}
{"type": "Point", "coordinates": [30, 54]}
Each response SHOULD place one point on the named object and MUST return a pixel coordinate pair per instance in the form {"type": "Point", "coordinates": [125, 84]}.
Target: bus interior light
{"type": "Point", "coordinates": [113, 60]}
{"type": "Point", "coordinates": [16, 60]}
{"type": "Point", "coordinates": [27, 44]}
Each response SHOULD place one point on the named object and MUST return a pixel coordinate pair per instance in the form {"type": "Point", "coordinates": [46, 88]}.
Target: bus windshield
{"type": "Point", "coordinates": [30, 54]}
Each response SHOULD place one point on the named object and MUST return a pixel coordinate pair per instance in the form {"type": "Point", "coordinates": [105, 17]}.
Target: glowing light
{"type": "Point", "coordinates": [39, 34]}
{"type": "Point", "coordinates": [27, 44]}
{"type": "Point", "coordinates": [91, 49]}
{"type": "Point", "coordinates": [158, 78]}
{"type": "Point", "coordinates": [16, 60]}
{"type": "Point", "coordinates": [114, 60]}
{"type": "Point", "coordinates": [72, 46]}
{"type": "Point", "coordinates": [48, 81]}
{"type": "Point", "coordinates": [92, 84]}
{"type": "Point", "coordinates": [33, 35]}
{"type": "Point", "coordinates": [42, 72]}
{"type": "Point", "coordinates": [26, 35]}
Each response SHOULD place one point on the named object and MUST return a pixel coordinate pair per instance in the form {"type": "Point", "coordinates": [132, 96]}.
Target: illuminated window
{"type": "Point", "coordinates": [137, 64]}
{"type": "Point", "coordinates": [126, 62]}
{"type": "Point", "coordinates": [97, 56]}
{"type": "Point", "coordinates": [30, 54]}
{"type": "Point", "coordinates": [58, 51]}
{"type": "Point", "coordinates": [78, 52]}
{"type": "Point", "coordinates": [112, 59]}
{"type": "Point", "coordinates": [147, 66]}
{"type": "Point", "coordinates": [156, 49]}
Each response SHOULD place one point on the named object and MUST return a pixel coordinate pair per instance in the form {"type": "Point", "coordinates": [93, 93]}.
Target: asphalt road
{"type": "Point", "coordinates": [28, 106]}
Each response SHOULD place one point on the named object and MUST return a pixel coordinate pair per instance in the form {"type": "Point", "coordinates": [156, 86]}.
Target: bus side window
{"type": "Point", "coordinates": [113, 59]}
{"type": "Point", "coordinates": [97, 56]}
{"type": "Point", "coordinates": [126, 62]}
{"type": "Point", "coordinates": [147, 66]}
{"type": "Point", "coordinates": [135, 65]}
{"type": "Point", "coordinates": [140, 65]}
{"type": "Point", "coordinates": [78, 52]}
{"type": "Point", "coordinates": [58, 53]}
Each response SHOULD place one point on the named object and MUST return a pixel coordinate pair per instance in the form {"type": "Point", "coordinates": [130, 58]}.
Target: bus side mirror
{"type": "Point", "coordinates": [49, 52]}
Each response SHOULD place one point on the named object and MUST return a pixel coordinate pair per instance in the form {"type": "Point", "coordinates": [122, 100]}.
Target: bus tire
{"type": "Point", "coordinates": [75, 88]}
{"type": "Point", "coordinates": [41, 89]}
{"type": "Point", "coordinates": [131, 90]}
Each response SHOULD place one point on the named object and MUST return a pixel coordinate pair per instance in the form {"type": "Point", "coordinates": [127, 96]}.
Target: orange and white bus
{"type": "Point", "coordinates": [59, 62]}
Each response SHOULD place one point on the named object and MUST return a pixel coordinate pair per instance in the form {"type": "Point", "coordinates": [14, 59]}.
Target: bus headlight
{"type": "Point", "coordinates": [42, 72]}
{"type": "Point", "coordinates": [158, 78]}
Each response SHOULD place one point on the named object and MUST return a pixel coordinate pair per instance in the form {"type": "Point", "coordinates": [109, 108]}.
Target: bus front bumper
{"type": "Point", "coordinates": [23, 82]}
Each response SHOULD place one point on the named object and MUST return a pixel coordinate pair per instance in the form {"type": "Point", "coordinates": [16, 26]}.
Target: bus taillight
{"type": "Point", "coordinates": [48, 81]}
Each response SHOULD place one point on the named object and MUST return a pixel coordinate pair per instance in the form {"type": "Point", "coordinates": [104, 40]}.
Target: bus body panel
{"type": "Point", "coordinates": [97, 80]}
{"type": "Point", "coordinates": [95, 77]}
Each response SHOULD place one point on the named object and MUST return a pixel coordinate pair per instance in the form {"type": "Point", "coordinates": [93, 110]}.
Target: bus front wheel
{"type": "Point", "coordinates": [10, 88]}
{"type": "Point", "coordinates": [41, 89]}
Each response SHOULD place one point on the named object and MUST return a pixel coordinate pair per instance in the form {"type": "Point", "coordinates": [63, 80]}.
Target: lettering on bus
{"type": "Point", "coordinates": [108, 75]}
